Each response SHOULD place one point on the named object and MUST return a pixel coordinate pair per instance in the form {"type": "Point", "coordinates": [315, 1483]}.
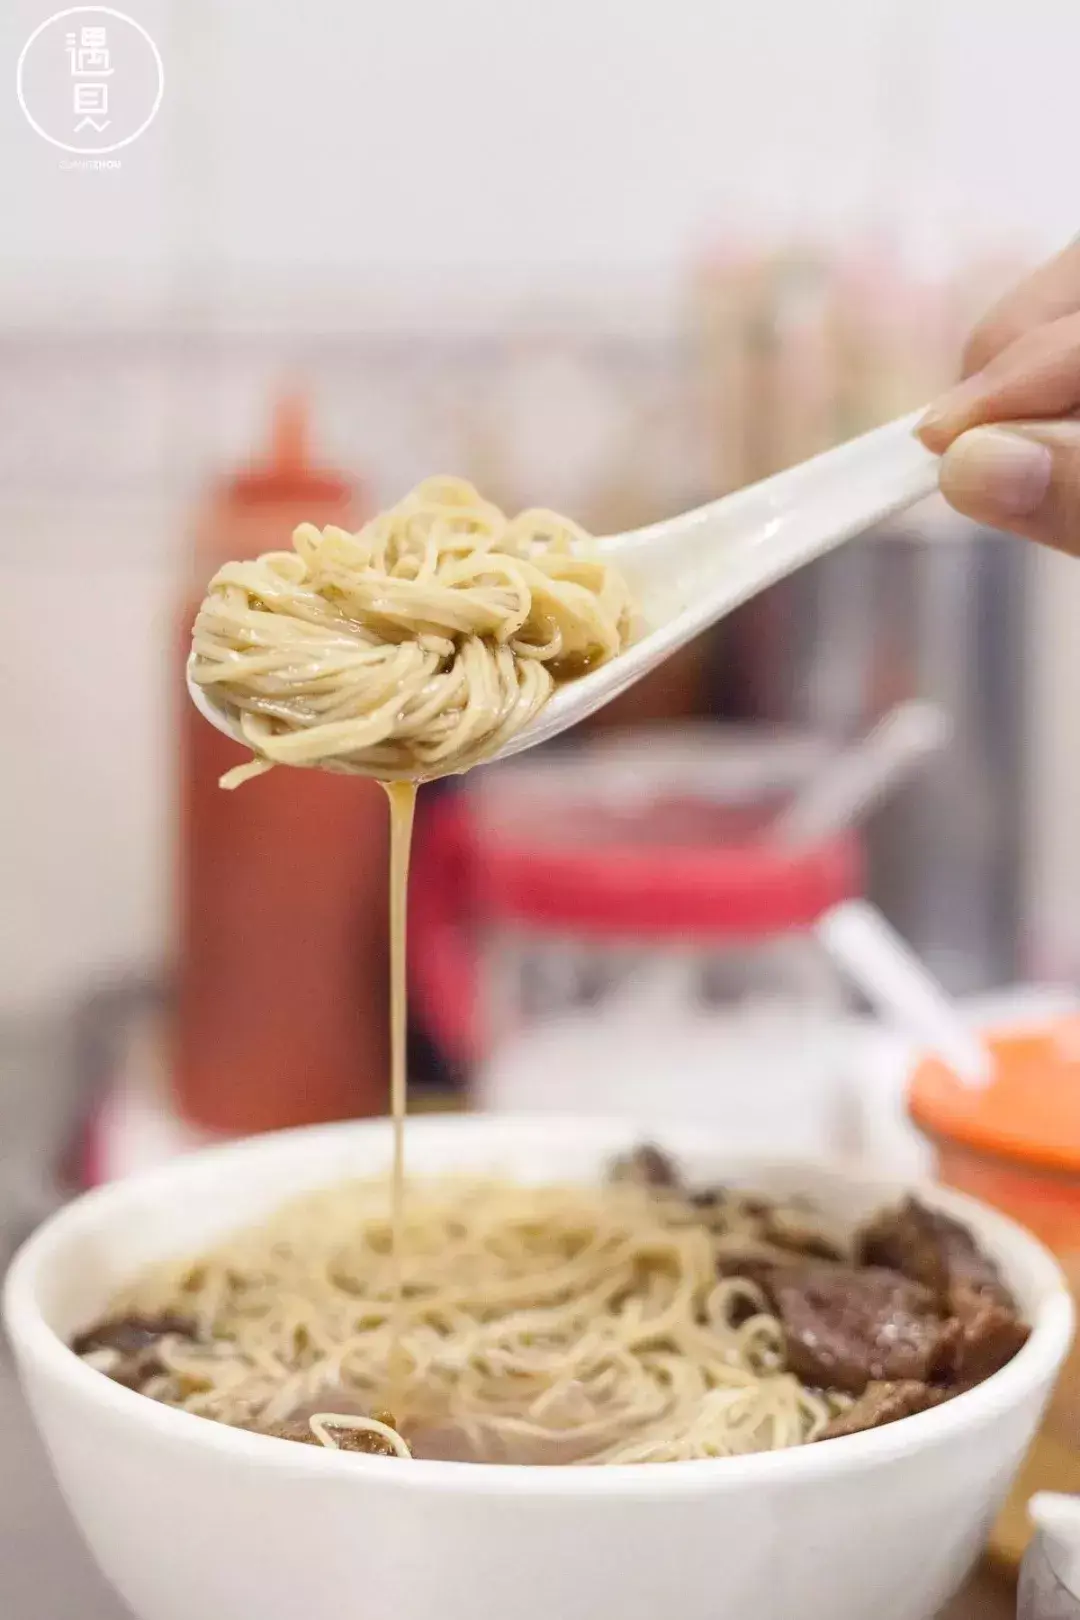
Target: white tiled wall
{"type": "Point", "coordinates": [425, 136]}
{"type": "Point", "coordinates": [84, 797]}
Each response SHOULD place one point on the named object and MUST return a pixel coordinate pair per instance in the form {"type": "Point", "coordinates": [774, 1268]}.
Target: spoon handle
{"type": "Point", "coordinates": [811, 509]}
{"type": "Point", "coordinates": [842, 491]}
{"type": "Point", "coordinates": [859, 483]}
{"type": "Point", "coordinates": [724, 553]}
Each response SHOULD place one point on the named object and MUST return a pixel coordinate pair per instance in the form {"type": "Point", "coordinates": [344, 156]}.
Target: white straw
{"type": "Point", "coordinates": [855, 781]}
{"type": "Point", "coordinates": [874, 957]}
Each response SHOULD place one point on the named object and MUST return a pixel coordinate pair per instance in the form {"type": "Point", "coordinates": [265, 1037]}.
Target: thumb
{"type": "Point", "coordinates": [1023, 476]}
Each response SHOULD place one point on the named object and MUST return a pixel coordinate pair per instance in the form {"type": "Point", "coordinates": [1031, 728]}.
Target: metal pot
{"type": "Point", "coordinates": [934, 609]}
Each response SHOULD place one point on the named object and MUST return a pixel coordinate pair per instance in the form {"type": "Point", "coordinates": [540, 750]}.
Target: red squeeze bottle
{"type": "Point", "coordinates": [281, 976]}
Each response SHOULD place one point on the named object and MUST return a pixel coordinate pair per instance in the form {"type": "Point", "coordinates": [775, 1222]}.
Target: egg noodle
{"type": "Point", "coordinates": [623, 1322]}
{"type": "Point", "coordinates": [558, 1324]}
{"type": "Point", "coordinates": [413, 648]}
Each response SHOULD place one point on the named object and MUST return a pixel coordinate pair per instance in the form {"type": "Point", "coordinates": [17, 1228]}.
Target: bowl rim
{"type": "Point", "coordinates": [41, 1350]}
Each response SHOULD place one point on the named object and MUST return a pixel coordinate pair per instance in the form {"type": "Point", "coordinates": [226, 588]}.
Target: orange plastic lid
{"type": "Point", "coordinates": [1030, 1110]}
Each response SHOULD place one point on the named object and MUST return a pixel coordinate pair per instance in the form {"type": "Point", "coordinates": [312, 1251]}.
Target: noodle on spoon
{"type": "Point", "coordinates": [413, 648]}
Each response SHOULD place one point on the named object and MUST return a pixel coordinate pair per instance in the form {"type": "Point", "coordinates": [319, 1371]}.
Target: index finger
{"type": "Point", "coordinates": [1036, 376]}
{"type": "Point", "coordinates": [1049, 293]}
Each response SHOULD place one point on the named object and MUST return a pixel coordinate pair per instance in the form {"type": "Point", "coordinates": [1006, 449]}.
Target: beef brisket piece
{"type": "Point", "coordinates": [367, 1441]}
{"type": "Point", "coordinates": [884, 1403]}
{"type": "Point", "coordinates": [754, 1263]}
{"type": "Point", "coordinates": [298, 1430]}
{"type": "Point", "coordinates": [931, 1249]}
{"type": "Point", "coordinates": [797, 1234]}
{"type": "Point", "coordinates": [985, 1330]}
{"type": "Point", "coordinates": [986, 1334]}
{"type": "Point", "coordinates": [649, 1167]}
{"type": "Point", "coordinates": [130, 1335]}
{"type": "Point", "coordinates": [845, 1328]}
{"type": "Point", "coordinates": [125, 1348]}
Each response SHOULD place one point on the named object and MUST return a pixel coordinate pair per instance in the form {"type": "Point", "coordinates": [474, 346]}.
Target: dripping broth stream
{"type": "Point", "coordinates": [402, 797]}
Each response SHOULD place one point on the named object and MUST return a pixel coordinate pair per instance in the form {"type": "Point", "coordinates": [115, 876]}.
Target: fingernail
{"type": "Point", "coordinates": [935, 415]}
{"type": "Point", "coordinates": [946, 406]}
{"type": "Point", "coordinates": [997, 470]}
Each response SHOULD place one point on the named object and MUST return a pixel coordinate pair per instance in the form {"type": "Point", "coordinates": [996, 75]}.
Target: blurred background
{"type": "Point", "coordinates": [617, 259]}
{"type": "Point", "coordinates": [612, 256]}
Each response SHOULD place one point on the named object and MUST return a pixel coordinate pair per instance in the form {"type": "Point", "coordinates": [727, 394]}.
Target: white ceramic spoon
{"type": "Point", "coordinates": [689, 571]}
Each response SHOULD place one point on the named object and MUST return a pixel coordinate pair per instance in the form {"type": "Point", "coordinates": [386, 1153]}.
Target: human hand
{"type": "Point", "coordinates": [1021, 370]}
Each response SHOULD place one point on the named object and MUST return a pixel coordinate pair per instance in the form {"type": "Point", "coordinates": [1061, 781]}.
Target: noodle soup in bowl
{"type": "Point", "coordinates": [191, 1517]}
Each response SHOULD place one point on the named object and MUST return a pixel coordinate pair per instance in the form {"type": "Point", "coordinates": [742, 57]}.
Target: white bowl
{"type": "Point", "coordinates": [194, 1521]}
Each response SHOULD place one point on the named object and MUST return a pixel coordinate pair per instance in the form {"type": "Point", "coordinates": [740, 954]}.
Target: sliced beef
{"type": "Point", "coordinates": [984, 1330]}
{"type": "Point", "coordinates": [756, 1264]}
{"type": "Point", "coordinates": [797, 1233]}
{"type": "Point", "coordinates": [647, 1166]}
{"type": "Point", "coordinates": [884, 1403]}
{"type": "Point", "coordinates": [718, 1197]}
{"type": "Point", "coordinates": [367, 1441]}
{"type": "Point", "coordinates": [931, 1249]}
{"type": "Point", "coordinates": [845, 1328]}
{"type": "Point", "coordinates": [985, 1334]}
{"type": "Point", "coordinates": [298, 1430]}
{"type": "Point", "coordinates": [125, 1348]}
{"type": "Point", "coordinates": [130, 1335]}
